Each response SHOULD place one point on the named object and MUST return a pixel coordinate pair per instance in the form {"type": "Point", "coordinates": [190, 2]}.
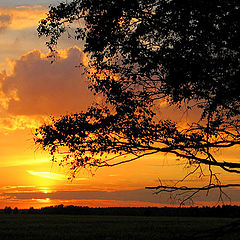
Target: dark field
{"type": "Point", "coordinates": [62, 227]}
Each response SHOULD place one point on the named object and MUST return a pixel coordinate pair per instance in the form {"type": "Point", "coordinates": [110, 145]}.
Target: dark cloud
{"type": "Point", "coordinates": [128, 195]}
{"type": "Point", "coordinates": [5, 20]}
{"type": "Point", "coordinates": [140, 195]}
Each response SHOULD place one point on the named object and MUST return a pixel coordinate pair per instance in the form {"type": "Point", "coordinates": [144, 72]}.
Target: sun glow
{"type": "Point", "coordinates": [49, 175]}
{"type": "Point", "coordinates": [46, 181]}
{"type": "Point", "coordinates": [45, 190]}
{"type": "Point", "coordinates": [45, 200]}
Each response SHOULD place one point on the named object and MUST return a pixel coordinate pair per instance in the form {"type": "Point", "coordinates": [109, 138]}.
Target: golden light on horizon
{"type": "Point", "coordinates": [46, 182]}
{"type": "Point", "coordinates": [45, 190]}
{"type": "Point", "coordinates": [40, 200]}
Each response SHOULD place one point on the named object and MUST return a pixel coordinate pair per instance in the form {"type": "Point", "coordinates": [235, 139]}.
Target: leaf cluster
{"type": "Point", "coordinates": [141, 52]}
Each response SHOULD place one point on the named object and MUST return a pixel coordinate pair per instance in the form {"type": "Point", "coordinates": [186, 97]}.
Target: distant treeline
{"type": "Point", "coordinates": [218, 211]}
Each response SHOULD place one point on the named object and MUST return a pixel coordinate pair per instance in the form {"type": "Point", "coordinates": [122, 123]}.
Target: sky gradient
{"type": "Point", "coordinates": [32, 89]}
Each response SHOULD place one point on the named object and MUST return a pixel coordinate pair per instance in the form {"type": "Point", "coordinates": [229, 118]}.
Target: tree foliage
{"type": "Point", "coordinates": [142, 52]}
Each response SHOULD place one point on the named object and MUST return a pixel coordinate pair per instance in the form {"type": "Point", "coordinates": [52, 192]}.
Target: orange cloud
{"type": "Point", "coordinates": [11, 122]}
{"type": "Point", "coordinates": [38, 87]}
{"type": "Point", "coordinates": [44, 200]}
{"type": "Point", "coordinates": [49, 175]}
{"type": "Point", "coordinates": [35, 88]}
{"type": "Point", "coordinates": [5, 21]}
{"type": "Point", "coordinates": [22, 17]}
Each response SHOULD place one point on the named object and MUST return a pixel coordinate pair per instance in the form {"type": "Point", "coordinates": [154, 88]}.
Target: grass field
{"type": "Point", "coordinates": [71, 227]}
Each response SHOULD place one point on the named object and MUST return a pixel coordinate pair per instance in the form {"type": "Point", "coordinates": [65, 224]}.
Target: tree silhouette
{"type": "Point", "coordinates": [141, 53]}
{"type": "Point", "coordinates": [8, 210]}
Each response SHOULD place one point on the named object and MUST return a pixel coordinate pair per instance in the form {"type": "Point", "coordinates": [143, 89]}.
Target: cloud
{"type": "Point", "coordinates": [14, 3]}
{"type": "Point", "coordinates": [32, 195]}
{"type": "Point", "coordinates": [22, 17]}
{"type": "Point", "coordinates": [49, 175]}
{"type": "Point", "coordinates": [54, 176]}
{"type": "Point", "coordinates": [5, 21]}
{"type": "Point", "coordinates": [139, 195]}
{"type": "Point", "coordinates": [11, 122]}
{"type": "Point", "coordinates": [26, 162]}
{"type": "Point", "coordinates": [37, 88]}
{"type": "Point", "coordinates": [129, 195]}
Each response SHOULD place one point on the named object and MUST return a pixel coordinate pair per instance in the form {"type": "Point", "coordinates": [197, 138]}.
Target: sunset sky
{"type": "Point", "coordinates": [32, 89]}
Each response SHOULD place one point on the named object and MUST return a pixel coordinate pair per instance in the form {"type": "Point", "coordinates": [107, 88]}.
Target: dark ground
{"type": "Point", "coordinates": [82, 227]}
